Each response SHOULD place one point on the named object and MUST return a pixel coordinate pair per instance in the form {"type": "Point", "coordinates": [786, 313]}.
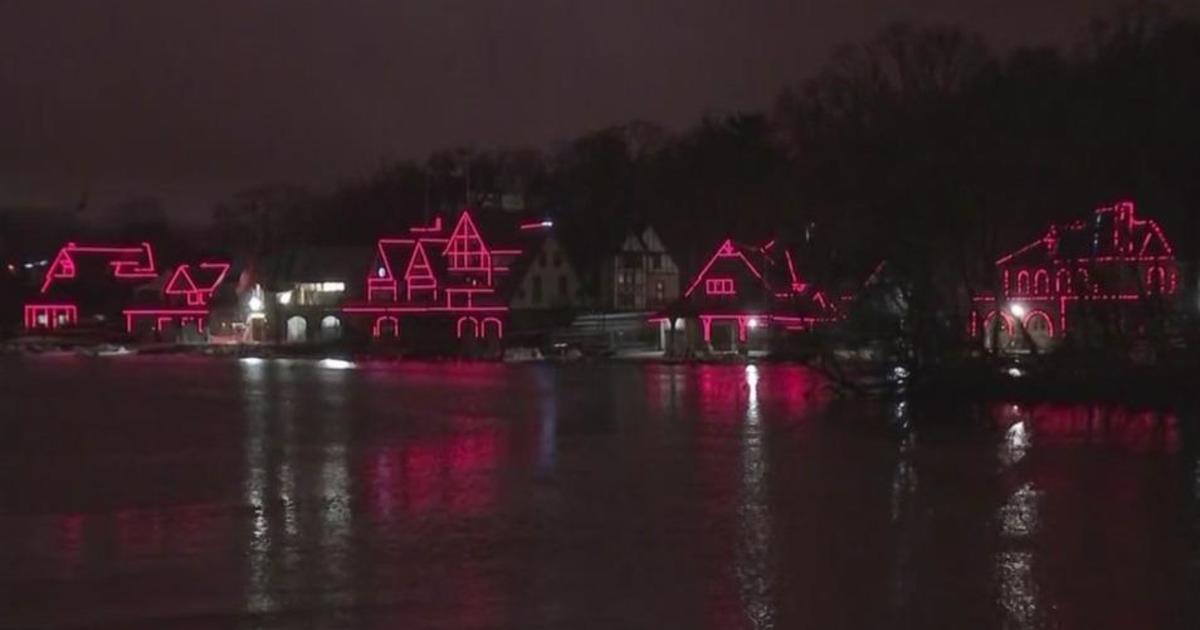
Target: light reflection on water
{"type": "Point", "coordinates": [593, 497]}
{"type": "Point", "coordinates": [754, 517]}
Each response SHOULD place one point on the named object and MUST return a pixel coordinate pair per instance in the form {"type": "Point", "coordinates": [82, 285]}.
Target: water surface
{"type": "Point", "coordinates": [189, 493]}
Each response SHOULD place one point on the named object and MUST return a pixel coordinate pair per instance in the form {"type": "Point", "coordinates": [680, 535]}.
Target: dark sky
{"type": "Point", "coordinates": [193, 100]}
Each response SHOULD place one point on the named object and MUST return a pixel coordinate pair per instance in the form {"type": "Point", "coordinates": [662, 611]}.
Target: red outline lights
{"type": "Point", "coordinates": [1115, 238]}
{"type": "Point", "coordinates": [719, 286]}
{"type": "Point", "coordinates": [53, 316]}
{"type": "Point", "coordinates": [726, 250]}
{"type": "Point", "coordinates": [434, 228]}
{"type": "Point", "coordinates": [128, 264]}
{"type": "Point", "coordinates": [196, 285]}
{"type": "Point", "coordinates": [452, 275]}
{"type": "Point", "coordinates": [197, 293]}
{"type": "Point", "coordinates": [418, 276]}
{"type": "Point", "coordinates": [466, 250]}
{"type": "Point", "coordinates": [762, 297]}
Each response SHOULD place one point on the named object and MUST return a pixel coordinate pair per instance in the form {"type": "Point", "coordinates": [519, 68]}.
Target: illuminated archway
{"type": "Point", "coordinates": [331, 327]}
{"type": "Point", "coordinates": [297, 329]}
{"type": "Point", "coordinates": [471, 328]}
{"type": "Point", "coordinates": [988, 322]}
{"type": "Point", "coordinates": [1062, 282]}
{"type": "Point", "coordinates": [492, 327]}
{"type": "Point", "coordinates": [1041, 282]}
{"type": "Point", "coordinates": [386, 326]}
{"type": "Point", "coordinates": [1156, 280]}
{"type": "Point", "coordinates": [1022, 282]}
{"type": "Point", "coordinates": [1038, 322]}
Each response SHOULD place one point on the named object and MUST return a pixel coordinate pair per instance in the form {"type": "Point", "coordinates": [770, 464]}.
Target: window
{"type": "Point", "coordinates": [297, 329]}
{"type": "Point", "coordinates": [536, 283]}
{"type": "Point", "coordinates": [331, 328]}
{"type": "Point", "coordinates": [542, 259]}
{"type": "Point", "coordinates": [656, 261]}
{"type": "Point", "coordinates": [1062, 281]}
{"type": "Point", "coordinates": [631, 261]}
{"type": "Point", "coordinates": [660, 292]}
{"type": "Point", "coordinates": [718, 286]}
{"type": "Point", "coordinates": [563, 293]}
{"type": "Point", "coordinates": [1041, 282]}
{"type": "Point", "coordinates": [1022, 282]}
{"type": "Point", "coordinates": [557, 260]}
{"type": "Point", "coordinates": [1156, 279]}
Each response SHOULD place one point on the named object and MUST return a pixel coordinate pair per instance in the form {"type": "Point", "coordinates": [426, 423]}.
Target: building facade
{"type": "Point", "coordinates": [745, 300]}
{"type": "Point", "coordinates": [1112, 271]}
{"type": "Point", "coordinates": [89, 285]}
{"type": "Point", "coordinates": [640, 276]}
{"type": "Point", "coordinates": [437, 287]}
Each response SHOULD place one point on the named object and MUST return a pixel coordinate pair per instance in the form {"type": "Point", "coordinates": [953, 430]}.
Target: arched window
{"type": "Point", "coordinates": [1038, 322]}
{"type": "Point", "coordinates": [1041, 282]}
{"type": "Point", "coordinates": [1156, 280]}
{"type": "Point", "coordinates": [1083, 284]}
{"type": "Point", "coordinates": [492, 327]}
{"type": "Point", "coordinates": [331, 328]}
{"type": "Point", "coordinates": [1023, 282]}
{"type": "Point", "coordinates": [297, 329]}
{"type": "Point", "coordinates": [1062, 282]}
{"type": "Point", "coordinates": [1005, 321]}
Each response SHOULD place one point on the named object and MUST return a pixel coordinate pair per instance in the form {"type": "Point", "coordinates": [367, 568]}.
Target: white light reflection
{"type": "Point", "coordinates": [1018, 591]}
{"type": "Point", "coordinates": [904, 478]}
{"type": "Point", "coordinates": [1019, 516]}
{"type": "Point", "coordinates": [258, 593]}
{"type": "Point", "coordinates": [1018, 521]}
{"type": "Point", "coordinates": [336, 364]}
{"type": "Point", "coordinates": [1015, 444]}
{"type": "Point", "coordinates": [754, 527]}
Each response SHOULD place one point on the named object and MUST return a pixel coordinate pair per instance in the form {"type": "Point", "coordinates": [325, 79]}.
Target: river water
{"type": "Point", "coordinates": [197, 493]}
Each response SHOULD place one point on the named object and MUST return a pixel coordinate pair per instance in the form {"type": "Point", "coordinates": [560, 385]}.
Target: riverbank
{"type": "Point", "coordinates": [1047, 378]}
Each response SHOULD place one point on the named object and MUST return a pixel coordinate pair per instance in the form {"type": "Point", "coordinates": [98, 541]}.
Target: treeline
{"type": "Point", "coordinates": [921, 140]}
{"type": "Point", "coordinates": [921, 146]}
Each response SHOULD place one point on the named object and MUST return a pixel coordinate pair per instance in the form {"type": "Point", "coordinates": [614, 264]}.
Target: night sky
{"type": "Point", "coordinates": [192, 101]}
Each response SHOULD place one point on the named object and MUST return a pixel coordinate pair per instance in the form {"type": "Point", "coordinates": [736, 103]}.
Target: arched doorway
{"type": "Point", "coordinates": [1040, 328]}
{"type": "Point", "coordinates": [297, 329]}
{"type": "Point", "coordinates": [331, 328]}
{"type": "Point", "coordinates": [997, 330]}
{"type": "Point", "coordinates": [387, 327]}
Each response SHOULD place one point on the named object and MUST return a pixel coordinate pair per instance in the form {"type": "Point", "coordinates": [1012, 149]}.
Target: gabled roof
{"type": "Point", "coordinates": [764, 280]}
{"type": "Point", "coordinates": [196, 282]}
{"type": "Point", "coordinates": [727, 252]}
{"type": "Point", "coordinates": [1112, 233]}
{"type": "Point", "coordinates": [123, 262]}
